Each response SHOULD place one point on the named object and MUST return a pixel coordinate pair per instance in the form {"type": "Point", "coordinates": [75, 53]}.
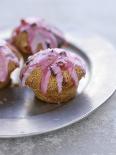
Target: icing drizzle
{"type": "Point", "coordinates": [6, 55]}
{"type": "Point", "coordinates": [39, 34]}
{"type": "Point", "coordinates": [52, 62]}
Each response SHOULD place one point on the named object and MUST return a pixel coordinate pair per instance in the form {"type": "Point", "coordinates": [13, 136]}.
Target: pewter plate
{"type": "Point", "coordinates": [21, 114]}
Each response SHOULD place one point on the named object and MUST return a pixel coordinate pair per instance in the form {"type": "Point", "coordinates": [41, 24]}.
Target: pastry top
{"type": "Point", "coordinates": [39, 34]}
{"type": "Point", "coordinates": [6, 55]}
{"type": "Point", "coordinates": [52, 63]}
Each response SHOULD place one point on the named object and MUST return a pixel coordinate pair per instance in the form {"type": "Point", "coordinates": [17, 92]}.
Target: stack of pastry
{"type": "Point", "coordinates": [51, 72]}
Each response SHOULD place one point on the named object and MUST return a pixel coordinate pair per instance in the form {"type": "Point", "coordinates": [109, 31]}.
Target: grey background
{"type": "Point", "coordinates": [96, 135]}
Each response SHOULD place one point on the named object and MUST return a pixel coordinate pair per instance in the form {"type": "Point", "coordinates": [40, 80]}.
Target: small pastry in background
{"type": "Point", "coordinates": [9, 61]}
{"type": "Point", "coordinates": [53, 75]}
{"type": "Point", "coordinates": [34, 34]}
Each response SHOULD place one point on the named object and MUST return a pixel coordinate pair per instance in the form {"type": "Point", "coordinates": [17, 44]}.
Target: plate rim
{"type": "Point", "coordinates": [70, 122]}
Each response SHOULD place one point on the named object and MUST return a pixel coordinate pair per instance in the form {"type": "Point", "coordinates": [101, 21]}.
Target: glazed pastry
{"type": "Point", "coordinates": [53, 75]}
{"type": "Point", "coordinates": [34, 34]}
{"type": "Point", "coordinates": [9, 61]}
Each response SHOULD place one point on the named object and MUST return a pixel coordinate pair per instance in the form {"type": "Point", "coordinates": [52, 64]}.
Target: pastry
{"type": "Point", "coordinates": [34, 34]}
{"type": "Point", "coordinates": [53, 75]}
{"type": "Point", "coordinates": [9, 61]}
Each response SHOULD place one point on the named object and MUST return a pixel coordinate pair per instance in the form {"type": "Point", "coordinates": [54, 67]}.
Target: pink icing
{"type": "Point", "coordinates": [52, 61]}
{"type": "Point", "coordinates": [45, 80]}
{"type": "Point", "coordinates": [6, 55]}
{"type": "Point", "coordinates": [39, 32]}
{"type": "Point", "coordinates": [57, 70]}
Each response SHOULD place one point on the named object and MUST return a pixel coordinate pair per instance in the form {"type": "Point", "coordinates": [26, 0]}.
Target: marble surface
{"type": "Point", "coordinates": [96, 135]}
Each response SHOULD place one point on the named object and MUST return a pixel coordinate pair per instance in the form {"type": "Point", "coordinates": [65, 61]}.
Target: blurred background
{"type": "Point", "coordinates": [77, 17]}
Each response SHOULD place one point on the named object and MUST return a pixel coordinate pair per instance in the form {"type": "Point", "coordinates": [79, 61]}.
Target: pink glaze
{"type": "Point", "coordinates": [6, 55]}
{"type": "Point", "coordinates": [39, 32]}
{"type": "Point", "coordinates": [45, 79]}
{"type": "Point", "coordinates": [52, 61]}
{"type": "Point", "coordinates": [57, 70]}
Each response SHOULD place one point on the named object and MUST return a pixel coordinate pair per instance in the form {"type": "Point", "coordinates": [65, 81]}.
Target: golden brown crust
{"type": "Point", "coordinates": [11, 67]}
{"type": "Point", "coordinates": [21, 42]}
{"type": "Point", "coordinates": [52, 96]}
{"type": "Point", "coordinates": [15, 51]}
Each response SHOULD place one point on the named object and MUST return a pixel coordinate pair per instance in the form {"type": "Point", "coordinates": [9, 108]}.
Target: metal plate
{"type": "Point", "coordinates": [21, 114]}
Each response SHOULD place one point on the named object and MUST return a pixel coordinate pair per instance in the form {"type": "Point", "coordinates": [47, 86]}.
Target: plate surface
{"type": "Point", "coordinates": [21, 114]}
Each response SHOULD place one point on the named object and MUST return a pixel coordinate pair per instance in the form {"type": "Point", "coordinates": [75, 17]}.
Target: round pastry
{"type": "Point", "coordinates": [34, 34]}
{"type": "Point", "coordinates": [9, 61]}
{"type": "Point", "coordinates": [53, 75]}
